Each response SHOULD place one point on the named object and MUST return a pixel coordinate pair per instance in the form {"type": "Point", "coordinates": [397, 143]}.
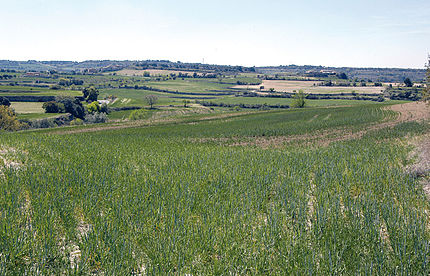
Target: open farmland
{"type": "Point", "coordinates": [309, 87]}
{"type": "Point", "coordinates": [219, 146]}
{"type": "Point", "coordinates": [153, 72]}
{"type": "Point", "coordinates": [218, 92]}
{"type": "Point", "coordinates": [6, 91]}
{"type": "Point", "coordinates": [307, 191]}
{"type": "Point", "coordinates": [284, 101]}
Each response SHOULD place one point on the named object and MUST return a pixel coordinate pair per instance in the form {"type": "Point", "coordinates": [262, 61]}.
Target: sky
{"type": "Point", "coordinates": [360, 33]}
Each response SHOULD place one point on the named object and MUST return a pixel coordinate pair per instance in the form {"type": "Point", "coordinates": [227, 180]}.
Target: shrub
{"type": "Point", "coordinates": [43, 123]}
{"type": "Point", "coordinates": [96, 118]}
{"type": "Point", "coordinates": [94, 107]}
{"type": "Point", "coordinates": [76, 122]}
{"type": "Point", "coordinates": [139, 114]}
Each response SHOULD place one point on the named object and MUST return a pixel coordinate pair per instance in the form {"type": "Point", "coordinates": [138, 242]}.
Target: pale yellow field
{"type": "Point", "coordinates": [153, 72]}
{"type": "Point", "coordinates": [308, 87]}
{"type": "Point", "coordinates": [26, 108]}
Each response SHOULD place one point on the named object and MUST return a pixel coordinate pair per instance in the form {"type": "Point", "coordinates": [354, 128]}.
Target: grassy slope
{"type": "Point", "coordinates": [155, 198]}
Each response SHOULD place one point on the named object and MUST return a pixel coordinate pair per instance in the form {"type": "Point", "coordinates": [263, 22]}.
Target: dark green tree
{"type": "Point", "coordinates": [4, 101]}
{"type": "Point", "coordinates": [72, 106]}
{"type": "Point", "coordinates": [343, 76]}
{"type": "Point", "coordinates": [90, 94]}
{"type": "Point", "coordinates": [408, 82]}
{"type": "Point", "coordinates": [53, 107]}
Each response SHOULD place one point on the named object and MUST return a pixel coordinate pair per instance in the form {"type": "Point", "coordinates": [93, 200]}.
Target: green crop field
{"type": "Point", "coordinates": [191, 85]}
{"type": "Point", "coordinates": [35, 91]}
{"type": "Point", "coordinates": [284, 101]}
{"type": "Point", "coordinates": [317, 191]}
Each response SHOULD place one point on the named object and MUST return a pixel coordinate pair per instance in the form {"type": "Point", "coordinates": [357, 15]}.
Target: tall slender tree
{"type": "Point", "coordinates": [426, 91]}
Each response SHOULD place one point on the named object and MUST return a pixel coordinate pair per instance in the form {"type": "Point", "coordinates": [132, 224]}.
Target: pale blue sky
{"type": "Point", "coordinates": [362, 33]}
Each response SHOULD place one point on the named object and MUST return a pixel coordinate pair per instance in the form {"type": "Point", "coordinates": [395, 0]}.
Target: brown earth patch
{"type": "Point", "coordinates": [416, 111]}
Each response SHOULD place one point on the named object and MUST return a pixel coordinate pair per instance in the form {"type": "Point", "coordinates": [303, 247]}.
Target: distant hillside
{"type": "Point", "coordinates": [97, 66]}
{"type": "Point", "coordinates": [374, 74]}
{"type": "Point", "coordinates": [63, 66]}
{"type": "Point", "coordinates": [100, 66]}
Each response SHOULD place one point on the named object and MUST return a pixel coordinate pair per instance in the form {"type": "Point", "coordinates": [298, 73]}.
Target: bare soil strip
{"type": "Point", "coordinates": [311, 203]}
{"type": "Point", "coordinates": [6, 154]}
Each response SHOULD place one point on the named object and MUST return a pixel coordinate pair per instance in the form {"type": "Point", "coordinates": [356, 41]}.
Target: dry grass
{"type": "Point", "coordinates": [27, 107]}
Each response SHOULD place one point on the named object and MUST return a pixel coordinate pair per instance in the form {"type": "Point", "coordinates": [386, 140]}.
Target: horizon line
{"type": "Point", "coordinates": [216, 64]}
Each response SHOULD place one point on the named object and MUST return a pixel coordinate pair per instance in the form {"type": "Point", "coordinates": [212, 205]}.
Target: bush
{"type": "Point", "coordinates": [94, 107]}
{"type": "Point", "coordinates": [96, 118]}
{"type": "Point", "coordinates": [139, 114]}
{"type": "Point", "coordinates": [43, 123]}
{"type": "Point", "coordinates": [54, 107]}
{"type": "Point", "coordinates": [76, 122]}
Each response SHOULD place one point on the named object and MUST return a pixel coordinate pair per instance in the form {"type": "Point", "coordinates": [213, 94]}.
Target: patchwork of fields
{"type": "Point", "coordinates": [330, 194]}
{"type": "Point", "coordinates": [309, 87]}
